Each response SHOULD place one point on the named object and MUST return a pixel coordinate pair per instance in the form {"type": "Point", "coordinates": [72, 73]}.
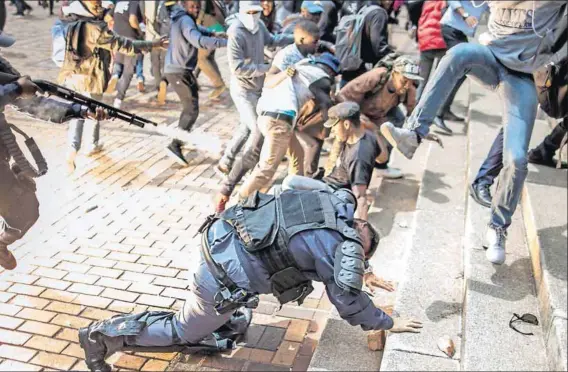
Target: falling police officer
{"type": "Point", "coordinates": [265, 244]}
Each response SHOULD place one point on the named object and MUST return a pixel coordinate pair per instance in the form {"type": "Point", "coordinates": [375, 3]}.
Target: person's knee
{"type": "Point", "coordinates": [459, 54]}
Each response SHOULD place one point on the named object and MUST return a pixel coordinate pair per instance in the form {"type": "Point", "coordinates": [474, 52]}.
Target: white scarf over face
{"type": "Point", "coordinates": [250, 21]}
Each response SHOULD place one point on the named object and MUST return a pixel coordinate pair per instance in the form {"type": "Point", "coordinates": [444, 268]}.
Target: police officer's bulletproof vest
{"type": "Point", "coordinates": [266, 223]}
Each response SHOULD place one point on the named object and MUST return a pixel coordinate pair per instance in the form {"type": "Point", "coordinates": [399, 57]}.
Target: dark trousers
{"type": "Point", "coordinates": [247, 162]}
{"type": "Point", "coordinates": [493, 163]}
{"type": "Point", "coordinates": [21, 6]}
{"type": "Point", "coordinates": [185, 86]}
{"type": "Point", "coordinates": [158, 57]}
{"type": "Point", "coordinates": [452, 37]}
{"type": "Point", "coordinates": [128, 69]}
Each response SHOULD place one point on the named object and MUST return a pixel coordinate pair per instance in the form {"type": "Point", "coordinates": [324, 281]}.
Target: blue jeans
{"type": "Point", "coordinates": [518, 94]}
{"type": "Point", "coordinates": [492, 164]}
{"type": "Point", "coordinates": [75, 131]}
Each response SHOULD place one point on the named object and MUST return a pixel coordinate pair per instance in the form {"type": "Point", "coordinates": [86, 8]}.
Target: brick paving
{"type": "Point", "coordinates": [120, 236]}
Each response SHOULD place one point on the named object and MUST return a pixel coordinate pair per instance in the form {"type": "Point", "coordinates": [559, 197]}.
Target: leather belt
{"type": "Point", "coordinates": [279, 116]}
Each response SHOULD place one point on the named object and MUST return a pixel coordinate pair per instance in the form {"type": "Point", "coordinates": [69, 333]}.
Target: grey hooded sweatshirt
{"type": "Point", "coordinates": [514, 29]}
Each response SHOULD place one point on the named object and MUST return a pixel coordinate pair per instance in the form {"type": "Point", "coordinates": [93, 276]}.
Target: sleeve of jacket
{"type": "Point", "coordinates": [276, 40]}
{"type": "Point", "coordinates": [196, 38]}
{"type": "Point", "coordinates": [378, 33]}
{"type": "Point", "coordinates": [357, 88]}
{"type": "Point", "coordinates": [355, 308]}
{"type": "Point", "coordinates": [118, 44]}
{"type": "Point", "coordinates": [8, 93]}
{"type": "Point", "coordinates": [237, 60]}
{"type": "Point", "coordinates": [455, 4]}
{"type": "Point", "coordinates": [48, 109]}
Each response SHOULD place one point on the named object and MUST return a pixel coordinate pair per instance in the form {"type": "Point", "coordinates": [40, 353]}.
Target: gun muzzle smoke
{"type": "Point", "coordinates": [198, 139]}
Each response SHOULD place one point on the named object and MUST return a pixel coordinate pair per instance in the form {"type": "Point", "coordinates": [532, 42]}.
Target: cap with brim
{"type": "Point", "coordinates": [6, 40]}
{"type": "Point", "coordinates": [408, 68]}
{"type": "Point", "coordinates": [331, 122]}
{"type": "Point", "coordinates": [312, 7]}
{"type": "Point", "coordinates": [249, 6]}
{"type": "Point", "coordinates": [341, 111]}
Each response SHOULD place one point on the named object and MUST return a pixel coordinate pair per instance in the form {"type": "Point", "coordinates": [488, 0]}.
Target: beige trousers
{"type": "Point", "coordinates": [277, 134]}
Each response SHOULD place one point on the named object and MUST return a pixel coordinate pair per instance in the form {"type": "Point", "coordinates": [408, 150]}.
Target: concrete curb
{"type": "Point", "coordinates": [553, 319]}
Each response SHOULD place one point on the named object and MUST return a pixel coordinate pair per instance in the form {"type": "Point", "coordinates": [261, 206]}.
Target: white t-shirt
{"type": "Point", "coordinates": [292, 93]}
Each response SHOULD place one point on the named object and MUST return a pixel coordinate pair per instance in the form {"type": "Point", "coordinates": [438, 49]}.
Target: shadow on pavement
{"type": "Point", "coordinates": [433, 184]}
{"type": "Point", "coordinates": [509, 282]}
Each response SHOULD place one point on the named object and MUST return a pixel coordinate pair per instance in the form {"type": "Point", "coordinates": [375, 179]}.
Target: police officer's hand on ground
{"type": "Point", "coordinates": [372, 282]}
{"type": "Point", "coordinates": [404, 324]}
{"type": "Point", "coordinates": [29, 88]}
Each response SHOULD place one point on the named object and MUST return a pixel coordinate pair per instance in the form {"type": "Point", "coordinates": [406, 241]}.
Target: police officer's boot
{"type": "Point", "coordinates": [104, 338]}
{"type": "Point", "coordinates": [97, 347]}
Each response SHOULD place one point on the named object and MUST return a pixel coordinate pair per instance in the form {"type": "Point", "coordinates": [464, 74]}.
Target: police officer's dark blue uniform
{"type": "Point", "coordinates": [314, 233]}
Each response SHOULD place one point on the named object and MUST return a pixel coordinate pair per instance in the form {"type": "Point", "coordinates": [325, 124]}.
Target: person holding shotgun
{"type": "Point", "coordinates": [86, 67]}
{"type": "Point", "coordinates": [18, 202]}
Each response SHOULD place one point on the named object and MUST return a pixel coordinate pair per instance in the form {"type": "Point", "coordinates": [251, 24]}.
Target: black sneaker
{"type": "Point", "coordinates": [449, 115]}
{"type": "Point", "coordinates": [175, 153]}
{"type": "Point", "coordinates": [481, 194]}
{"type": "Point", "coordinates": [439, 123]}
{"type": "Point", "coordinates": [535, 157]}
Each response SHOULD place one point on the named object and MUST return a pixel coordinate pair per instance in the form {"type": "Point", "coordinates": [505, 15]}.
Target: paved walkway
{"type": "Point", "coordinates": [120, 236]}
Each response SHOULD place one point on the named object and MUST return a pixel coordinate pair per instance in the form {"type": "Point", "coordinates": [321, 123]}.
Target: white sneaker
{"type": "Point", "coordinates": [389, 173]}
{"type": "Point", "coordinates": [117, 103]}
{"type": "Point", "coordinates": [95, 149]}
{"type": "Point", "coordinates": [495, 239]}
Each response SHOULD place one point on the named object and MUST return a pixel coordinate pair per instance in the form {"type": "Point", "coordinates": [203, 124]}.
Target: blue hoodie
{"type": "Point", "coordinates": [186, 37]}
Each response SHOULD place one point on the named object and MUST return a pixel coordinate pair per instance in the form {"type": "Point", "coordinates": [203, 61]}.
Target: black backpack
{"type": "Point", "coordinates": [551, 79]}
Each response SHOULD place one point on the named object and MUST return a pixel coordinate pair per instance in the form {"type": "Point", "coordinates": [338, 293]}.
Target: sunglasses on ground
{"type": "Point", "coordinates": [526, 318]}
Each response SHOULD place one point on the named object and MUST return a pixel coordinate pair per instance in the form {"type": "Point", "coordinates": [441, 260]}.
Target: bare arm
{"type": "Point", "coordinates": [360, 192]}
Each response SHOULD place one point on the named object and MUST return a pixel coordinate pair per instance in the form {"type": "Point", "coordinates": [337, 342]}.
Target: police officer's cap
{"type": "Point", "coordinates": [342, 111]}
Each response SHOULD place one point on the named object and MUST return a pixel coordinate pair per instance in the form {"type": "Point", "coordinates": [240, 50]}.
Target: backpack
{"type": "Point", "coordinates": [551, 79]}
{"type": "Point", "coordinates": [388, 63]}
{"type": "Point", "coordinates": [349, 34]}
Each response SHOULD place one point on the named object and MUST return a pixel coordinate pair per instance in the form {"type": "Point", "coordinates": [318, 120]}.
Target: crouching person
{"type": "Point", "coordinates": [353, 162]}
{"type": "Point", "coordinates": [261, 245]}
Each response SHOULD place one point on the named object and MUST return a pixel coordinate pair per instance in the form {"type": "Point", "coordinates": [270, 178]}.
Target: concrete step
{"type": "Point", "coordinates": [493, 293]}
{"type": "Point", "coordinates": [393, 213]}
{"type": "Point", "coordinates": [544, 207]}
{"type": "Point", "coordinates": [432, 285]}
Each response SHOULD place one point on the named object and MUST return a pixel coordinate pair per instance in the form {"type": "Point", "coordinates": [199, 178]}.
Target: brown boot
{"type": "Point", "coordinates": [7, 259]}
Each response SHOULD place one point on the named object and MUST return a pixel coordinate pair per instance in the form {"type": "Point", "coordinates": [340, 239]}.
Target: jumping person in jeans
{"type": "Point", "coordinates": [186, 37]}
{"type": "Point", "coordinates": [247, 38]}
{"type": "Point", "coordinates": [504, 63]}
